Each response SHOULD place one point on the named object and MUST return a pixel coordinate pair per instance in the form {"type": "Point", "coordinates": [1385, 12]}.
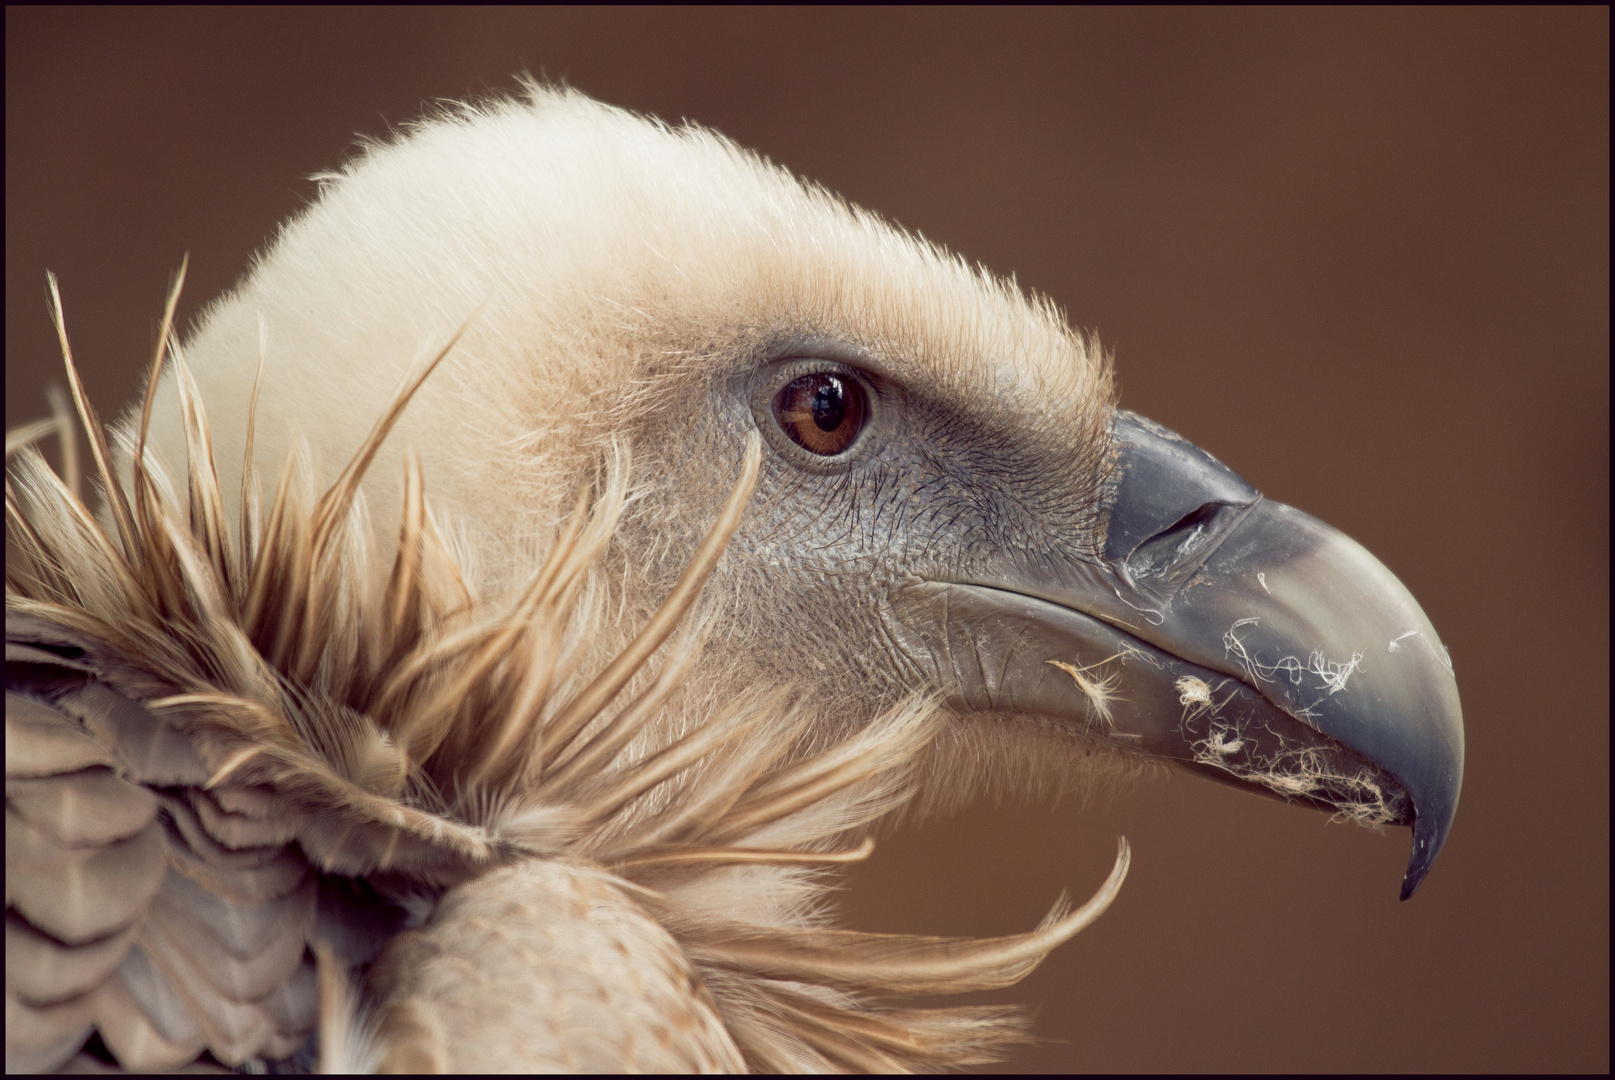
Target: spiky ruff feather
{"type": "Point", "coordinates": [386, 733]}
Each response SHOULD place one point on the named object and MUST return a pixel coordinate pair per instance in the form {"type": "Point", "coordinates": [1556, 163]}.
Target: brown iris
{"type": "Point", "coordinates": [822, 413]}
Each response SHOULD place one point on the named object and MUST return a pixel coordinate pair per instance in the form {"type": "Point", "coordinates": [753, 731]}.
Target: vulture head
{"type": "Point", "coordinates": [651, 381]}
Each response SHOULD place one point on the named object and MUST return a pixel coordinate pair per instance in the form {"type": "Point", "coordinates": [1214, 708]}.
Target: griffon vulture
{"type": "Point", "coordinates": [553, 558]}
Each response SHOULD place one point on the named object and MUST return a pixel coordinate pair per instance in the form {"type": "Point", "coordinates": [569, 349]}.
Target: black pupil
{"type": "Point", "coordinates": [829, 403]}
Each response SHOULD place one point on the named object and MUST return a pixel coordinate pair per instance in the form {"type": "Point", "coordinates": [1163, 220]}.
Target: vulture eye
{"type": "Point", "coordinates": [823, 412]}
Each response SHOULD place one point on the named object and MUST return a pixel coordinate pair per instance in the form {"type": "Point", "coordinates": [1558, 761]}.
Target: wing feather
{"type": "Point", "coordinates": [85, 808]}
{"type": "Point", "coordinates": [44, 971]}
{"type": "Point", "coordinates": [172, 918]}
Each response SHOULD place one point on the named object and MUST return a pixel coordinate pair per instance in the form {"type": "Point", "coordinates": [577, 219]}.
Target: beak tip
{"type": "Point", "coordinates": [1410, 881]}
{"type": "Point", "coordinates": [1429, 835]}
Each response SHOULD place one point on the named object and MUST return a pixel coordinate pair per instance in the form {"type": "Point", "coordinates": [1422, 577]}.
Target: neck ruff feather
{"type": "Point", "coordinates": [422, 738]}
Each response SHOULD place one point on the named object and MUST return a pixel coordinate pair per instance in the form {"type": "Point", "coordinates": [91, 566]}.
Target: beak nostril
{"type": "Point", "coordinates": [1182, 540]}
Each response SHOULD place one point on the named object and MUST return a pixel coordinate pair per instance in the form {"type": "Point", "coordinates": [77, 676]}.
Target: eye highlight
{"type": "Point", "coordinates": [822, 413]}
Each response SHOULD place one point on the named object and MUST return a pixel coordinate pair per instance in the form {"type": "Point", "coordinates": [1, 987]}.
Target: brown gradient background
{"type": "Point", "coordinates": [1362, 256]}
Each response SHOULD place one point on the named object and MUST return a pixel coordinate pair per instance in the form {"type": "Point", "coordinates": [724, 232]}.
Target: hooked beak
{"type": "Point", "coordinates": [1221, 631]}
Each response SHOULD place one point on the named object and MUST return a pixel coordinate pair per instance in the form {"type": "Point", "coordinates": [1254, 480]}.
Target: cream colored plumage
{"type": "Point", "coordinates": [468, 668]}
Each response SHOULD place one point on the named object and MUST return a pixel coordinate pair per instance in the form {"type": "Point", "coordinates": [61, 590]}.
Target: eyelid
{"type": "Point", "coordinates": [830, 350]}
{"type": "Point", "coordinates": [784, 371]}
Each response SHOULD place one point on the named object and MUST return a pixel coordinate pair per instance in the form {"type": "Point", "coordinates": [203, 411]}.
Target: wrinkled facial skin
{"type": "Point", "coordinates": [935, 488]}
